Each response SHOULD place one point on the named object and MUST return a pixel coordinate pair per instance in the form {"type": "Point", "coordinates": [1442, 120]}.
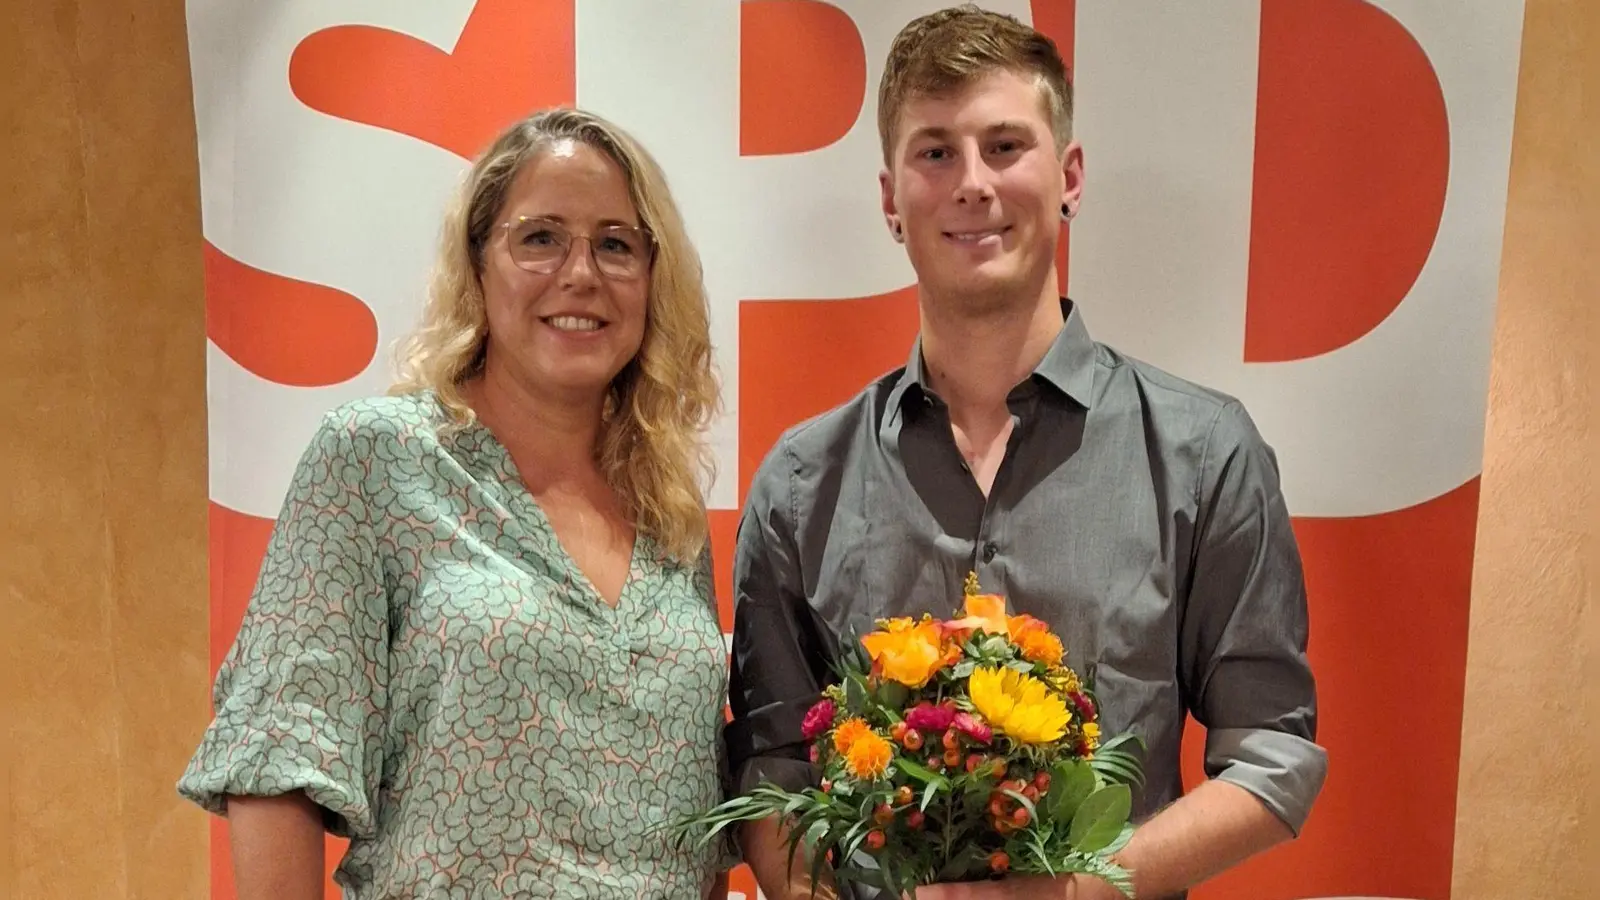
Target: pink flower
{"type": "Point", "coordinates": [927, 717]}
{"type": "Point", "coordinates": [1085, 706]}
{"type": "Point", "coordinates": [818, 720]}
{"type": "Point", "coordinates": [973, 727]}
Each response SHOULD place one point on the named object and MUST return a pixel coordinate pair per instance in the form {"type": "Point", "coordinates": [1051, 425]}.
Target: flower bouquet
{"type": "Point", "coordinates": [953, 750]}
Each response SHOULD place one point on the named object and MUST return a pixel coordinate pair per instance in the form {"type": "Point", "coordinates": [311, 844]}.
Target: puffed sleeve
{"type": "Point", "coordinates": [1243, 647]}
{"type": "Point", "coordinates": [299, 702]}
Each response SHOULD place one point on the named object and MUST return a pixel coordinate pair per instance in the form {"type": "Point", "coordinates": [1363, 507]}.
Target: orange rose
{"type": "Point", "coordinates": [986, 611]}
{"type": "Point", "coordinates": [910, 655]}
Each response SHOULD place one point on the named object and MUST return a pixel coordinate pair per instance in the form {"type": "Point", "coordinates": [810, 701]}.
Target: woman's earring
{"type": "Point", "coordinates": [895, 227]}
{"type": "Point", "coordinates": [1066, 212]}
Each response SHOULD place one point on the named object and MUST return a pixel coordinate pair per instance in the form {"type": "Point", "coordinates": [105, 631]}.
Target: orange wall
{"type": "Point", "coordinates": [1531, 662]}
{"type": "Point", "coordinates": [103, 655]}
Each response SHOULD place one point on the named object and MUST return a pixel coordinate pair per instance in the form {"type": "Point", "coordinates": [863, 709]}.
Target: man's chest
{"type": "Point", "coordinates": [1095, 540]}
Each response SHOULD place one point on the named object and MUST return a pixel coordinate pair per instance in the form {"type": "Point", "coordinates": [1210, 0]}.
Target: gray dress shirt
{"type": "Point", "coordinates": [1137, 513]}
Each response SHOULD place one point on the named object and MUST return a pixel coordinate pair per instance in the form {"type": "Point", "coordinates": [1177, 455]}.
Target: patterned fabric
{"type": "Point", "coordinates": [424, 659]}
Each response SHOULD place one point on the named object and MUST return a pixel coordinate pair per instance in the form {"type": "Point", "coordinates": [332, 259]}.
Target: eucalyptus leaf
{"type": "Point", "coordinates": [964, 668]}
{"type": "Point", "coordinates": [1099, 821]}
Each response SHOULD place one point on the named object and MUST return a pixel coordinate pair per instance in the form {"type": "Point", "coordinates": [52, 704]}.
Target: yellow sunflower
{"type": "Point", "coordinates": [1018, 705]}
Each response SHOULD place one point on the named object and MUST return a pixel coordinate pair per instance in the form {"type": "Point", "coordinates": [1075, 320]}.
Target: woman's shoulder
{"type": "Point", "coordinates": [416, 414]}
{"type": "Point", "coordinates": [380, 430]}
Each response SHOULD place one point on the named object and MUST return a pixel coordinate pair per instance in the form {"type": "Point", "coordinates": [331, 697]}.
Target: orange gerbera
{"type": "Point", "coordinates": [868, 756]}
{"type": "Point", "coordinates": [909, 654]}
{"type": "Point", "coordinates": [848, 732]}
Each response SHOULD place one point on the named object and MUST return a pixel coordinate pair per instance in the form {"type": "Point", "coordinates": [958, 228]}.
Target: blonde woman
{"type": "Point", "coordinates": [483, 644]}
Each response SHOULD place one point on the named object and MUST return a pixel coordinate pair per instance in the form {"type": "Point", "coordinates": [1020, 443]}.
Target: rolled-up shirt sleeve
{"type": "Point", "coordinates": [780, 649]}
{"type": "Point", "coordinates": [300, 701]}
{"type": "Point", "coordinates": [1243, 659]}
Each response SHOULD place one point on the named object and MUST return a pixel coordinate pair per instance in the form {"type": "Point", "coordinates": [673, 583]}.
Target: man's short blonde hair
{"type": "Point", "coordinates": [947, 50]}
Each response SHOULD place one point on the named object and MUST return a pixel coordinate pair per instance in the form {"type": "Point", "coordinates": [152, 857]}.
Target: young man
{"type": "Point", "coordinates": [1136, 513]}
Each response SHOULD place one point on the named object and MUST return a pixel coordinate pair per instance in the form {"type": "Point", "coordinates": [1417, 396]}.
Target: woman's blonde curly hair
{"type": "Point", "coordinates": [652, 448]}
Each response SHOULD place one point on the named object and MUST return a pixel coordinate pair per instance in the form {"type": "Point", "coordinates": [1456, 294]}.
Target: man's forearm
{"type": "Point", "coordinates": [1208, 831]}
{"type": "Point", "coordinates": [766, 852]}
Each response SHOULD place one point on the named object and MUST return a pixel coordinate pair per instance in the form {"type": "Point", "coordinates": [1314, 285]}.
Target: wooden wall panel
{"type": "Point", "coordinates": [1526, 816]}
{"type": "Point", "coordinates": [103, 662]}
{"type": "Point", "coordinates": [102, 572]}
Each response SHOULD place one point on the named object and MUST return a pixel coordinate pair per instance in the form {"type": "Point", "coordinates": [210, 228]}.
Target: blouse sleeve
{"type": "Point", "coordinates": [300, 699]}
{"type": "Point", "coordinates": [725, 854]}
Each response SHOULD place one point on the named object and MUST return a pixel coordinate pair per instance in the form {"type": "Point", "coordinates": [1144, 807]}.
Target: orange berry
{"type": "Point", "coordinates": [1000, 768]}
{"type": "Point", "coordinates": [884, 814]}
{"type": "Point", "coordinates": [1031, 792]}
{"type": "Point", "coordinates": [898, 732]}
{"type": "Point", "coordinates": [914, 819]}
{"type": "Point", "coordinates": [952, 758]}
{"type": "Point", "coordinates": [997, 807]}
{"type": "Point", "coordinates": [1042, 781]}
{"type": "Point", "coordinates": [912, 739]}
{"type": "Point", "coordinates": [1020, 817]}
{"type": "Point", "coordinates": [973, 762]}
{"type": "Point", "coordinates": [999, 862]}
{"type": "Point", "coordinates": [952, 741]}
{"type": "Point", "coordinates": [903, 795]}
{"type": "Point", "coordinates": [875, 840]}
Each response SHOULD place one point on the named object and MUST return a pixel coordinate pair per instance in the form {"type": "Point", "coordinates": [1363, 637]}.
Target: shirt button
{"type": "Point", "coordinates": [989, 550]}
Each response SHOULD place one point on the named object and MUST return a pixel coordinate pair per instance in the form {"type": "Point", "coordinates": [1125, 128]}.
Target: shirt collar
{"type": "Point", "coordinates": [1068, 365]}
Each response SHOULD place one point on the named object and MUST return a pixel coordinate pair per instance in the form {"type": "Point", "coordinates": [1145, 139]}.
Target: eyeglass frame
{"type": "Point", "coordinates": [649, 242]}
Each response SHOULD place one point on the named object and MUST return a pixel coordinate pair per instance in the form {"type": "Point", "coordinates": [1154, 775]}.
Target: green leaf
{"type": "Point", "coordinates": [855, 693]}
{"type": "Point", "coordinates": [964, 668]}
{"type": "Point", "coordinates": [919, 772]}
{"type": "Point", "coordinates": [1117, 767]}
{"type": "Point", "coordinates": [930, 792]}
{"type": "Point", "coordinates": [995, 646]}
{"type": "Point", "coordinates": [1121, 841]}
{"type": "Point", "coordinates": [1033, 814]}
{"type": "Point", "coordinates": [960, 863]}
{"type": "Point", "coordinates": [1099, 820]}
{"type": "Point", "coordinates": [893, 694]}
{"type": "Point", "coordinates": [1070, 784]}
{"type": "Point", "coordinates": [1022, 666]}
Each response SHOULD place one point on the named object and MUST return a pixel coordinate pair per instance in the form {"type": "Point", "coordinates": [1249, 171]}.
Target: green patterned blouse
{"type": "Point", "coordinates": [427, 663]}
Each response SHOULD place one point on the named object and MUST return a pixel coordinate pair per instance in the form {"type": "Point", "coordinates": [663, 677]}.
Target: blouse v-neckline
{"type": "Point", "coordinates": [511, 476]}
